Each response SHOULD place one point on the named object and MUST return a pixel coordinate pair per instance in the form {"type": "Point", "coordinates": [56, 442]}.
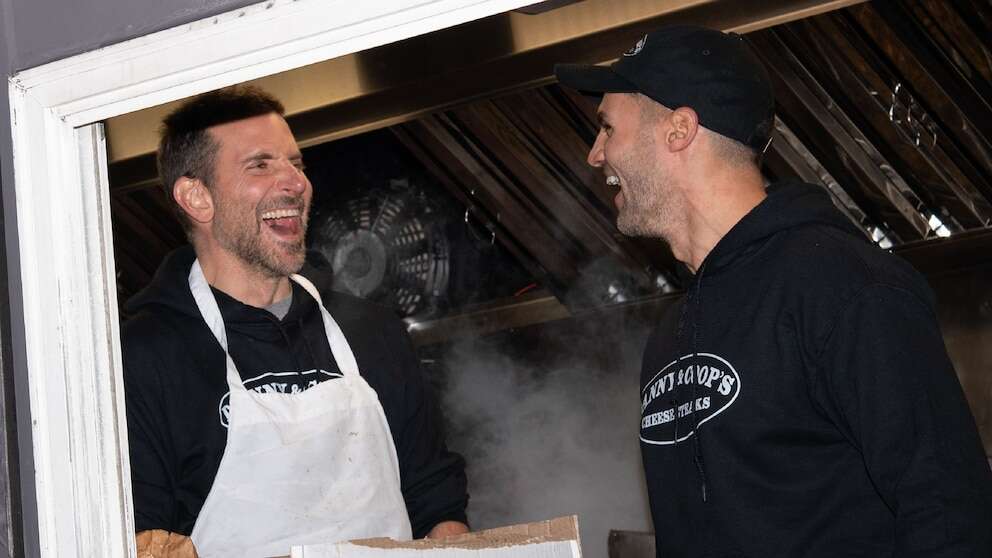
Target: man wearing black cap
{"type": "Point", "coordinates": [799, 401]}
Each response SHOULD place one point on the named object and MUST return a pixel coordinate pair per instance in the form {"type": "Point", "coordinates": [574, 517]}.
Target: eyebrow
{"type": "Point", "coordinates": [601, 117]}
{"type": "Point", "coordinates": [263, 155]}
{"type": "Point", "coordinates": [258, 157]}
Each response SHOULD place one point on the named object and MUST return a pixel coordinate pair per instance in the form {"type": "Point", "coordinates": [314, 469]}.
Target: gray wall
{"type": "Point", "coordinates": [36, 32]}
{"type": "Point", "coordinates": [40, 31]}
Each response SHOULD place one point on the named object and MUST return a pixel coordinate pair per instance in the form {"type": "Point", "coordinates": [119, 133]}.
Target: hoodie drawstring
{"type": "Point", "coordinates": [278, 322]}
{"type": "Point", "coordinates": [306, 341]}
{"type": "Point", "coordinates": [697, 456]}
{"type": "Point", "coordinates": [679, 337]}
{"type": "Point", "coordinates": [696, 301]}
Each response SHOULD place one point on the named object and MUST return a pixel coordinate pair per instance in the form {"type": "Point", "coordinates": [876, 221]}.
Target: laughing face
{"type": "Point", "coordinates": [261, 196]}
{"type": "Point", "coordinates": [626, 150]}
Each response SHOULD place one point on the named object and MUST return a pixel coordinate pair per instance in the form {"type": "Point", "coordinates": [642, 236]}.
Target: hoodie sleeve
{"type": "Point", "coordinates": [886, 381]}
{"type": "Point", "coordinates": [151, 478]}
{"type": "Point", "coordinates": [432, 477]}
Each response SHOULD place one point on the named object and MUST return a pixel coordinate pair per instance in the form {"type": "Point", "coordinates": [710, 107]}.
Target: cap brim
{"type": "Point", "coordinates": [593, 79]}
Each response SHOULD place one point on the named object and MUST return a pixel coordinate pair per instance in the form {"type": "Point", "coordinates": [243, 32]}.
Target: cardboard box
{"type": "Point", "coordinates": [553, 538]}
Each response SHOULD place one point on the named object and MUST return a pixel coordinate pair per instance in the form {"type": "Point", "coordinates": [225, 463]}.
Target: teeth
{"type": "Point", "coordinates": [612, 181]}
{"type": "Point", "coordinates": [281, 213]}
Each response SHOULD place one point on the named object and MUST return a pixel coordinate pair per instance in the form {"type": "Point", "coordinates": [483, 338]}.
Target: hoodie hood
{"type": "Point", "coordinates": [250, 330]}
{"type": "Point", "coordinates": [790, 204]}
{"type": "Point", "coordinates": [788, 404]}
{"type": "Point", "coordinates": [170, 286]}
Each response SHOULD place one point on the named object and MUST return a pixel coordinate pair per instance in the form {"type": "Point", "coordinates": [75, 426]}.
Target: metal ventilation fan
{"type": "Point", "coordinates": [389, 246]}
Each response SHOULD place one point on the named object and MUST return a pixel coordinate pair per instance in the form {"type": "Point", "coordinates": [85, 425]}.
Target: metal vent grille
{"type": "Point", "coordinates": [388, 246]}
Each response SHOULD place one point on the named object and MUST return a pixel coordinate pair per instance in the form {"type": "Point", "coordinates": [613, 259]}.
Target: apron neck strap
{"type": "Point", "coordinates": [340, 348]}
{"type": "Point", "coordinates": [207, 305]}
{"type": "Point", "coordinates": [308, 287]}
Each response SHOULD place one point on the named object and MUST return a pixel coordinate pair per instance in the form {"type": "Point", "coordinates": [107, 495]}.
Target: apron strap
{"type": "Point", "coordinates": [207, 304]}
{"type": "Point", "coordinates": [340, 348]}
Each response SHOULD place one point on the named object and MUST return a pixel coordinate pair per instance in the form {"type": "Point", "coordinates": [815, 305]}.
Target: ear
{"type": "Point", "coordinates": [684, 124]}
{"type": "Point", "coordinates": [194, 197]}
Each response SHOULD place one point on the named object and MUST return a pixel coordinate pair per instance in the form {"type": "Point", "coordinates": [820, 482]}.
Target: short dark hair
{"type": "Point", "coordinates": [185, 147]}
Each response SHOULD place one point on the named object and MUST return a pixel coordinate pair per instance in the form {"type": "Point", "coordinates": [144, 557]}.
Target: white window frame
{"type": "Point", "coordinates": [67, 284]}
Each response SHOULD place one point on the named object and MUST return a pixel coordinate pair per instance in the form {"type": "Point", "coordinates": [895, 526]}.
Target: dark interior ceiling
{"type": "Point", "coordinates": [885, 104]}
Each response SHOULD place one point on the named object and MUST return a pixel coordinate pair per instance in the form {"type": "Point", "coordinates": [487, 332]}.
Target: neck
{"type": "Point", "coordinates": [239, 279]}
{"type": "Point", "coordinates": [715, 203]}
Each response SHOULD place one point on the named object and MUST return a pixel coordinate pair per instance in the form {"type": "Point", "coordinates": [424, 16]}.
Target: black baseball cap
{"type": "Point", "coordinates": [714, 73]}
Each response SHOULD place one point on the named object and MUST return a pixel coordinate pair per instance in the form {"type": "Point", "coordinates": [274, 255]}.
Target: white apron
{"type": "Point", "coordinates": [311, 467]}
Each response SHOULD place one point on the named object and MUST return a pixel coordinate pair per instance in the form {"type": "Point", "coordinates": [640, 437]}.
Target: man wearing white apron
{"type": "Point", "coordinates": [259, 415]}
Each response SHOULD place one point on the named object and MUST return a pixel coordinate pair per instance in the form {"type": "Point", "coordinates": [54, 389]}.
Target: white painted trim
{"type": "Point", "coordinates": [67, 282]}
{"type": "Point", "coordinates": [238, 46]}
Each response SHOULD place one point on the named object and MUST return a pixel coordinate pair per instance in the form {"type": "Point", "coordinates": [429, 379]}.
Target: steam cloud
{"type": "Point", "coordinates": [545, 442]}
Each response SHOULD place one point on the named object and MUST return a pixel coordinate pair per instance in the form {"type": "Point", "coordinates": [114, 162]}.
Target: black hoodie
{"type": "Point", "coordinates": [176, 393]}
{"type": "Point", "coordinates": [818, 412]}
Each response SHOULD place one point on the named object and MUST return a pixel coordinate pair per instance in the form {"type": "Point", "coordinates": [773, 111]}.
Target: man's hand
{"type": "Point", "coordinates": [447, 529]}
{"type": "Point", "coordinates": [156, 543]}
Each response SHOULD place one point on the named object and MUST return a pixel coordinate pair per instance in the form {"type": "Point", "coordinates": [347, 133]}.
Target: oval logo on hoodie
{"type": "Point", "coordinates": [290, 383]}
{"type": "Point", "coordinates": [688, 391]}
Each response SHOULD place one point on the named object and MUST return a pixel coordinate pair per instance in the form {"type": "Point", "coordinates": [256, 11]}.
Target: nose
{"type": "Point", "coordinates": [292, 179]}
{"type": "Point", "coordinates": [596, 156]}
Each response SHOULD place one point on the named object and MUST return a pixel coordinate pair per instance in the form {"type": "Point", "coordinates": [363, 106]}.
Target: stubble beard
{"type": "Point", "coordinates": [650, 202]}
{"type": "Point", "coordinates": [239, 231]}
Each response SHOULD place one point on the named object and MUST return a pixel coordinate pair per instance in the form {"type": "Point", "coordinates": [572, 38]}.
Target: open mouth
{"type": "Point", "coordinates": [613, 181]}
{"type": "Point", "coordinates": [284, 222]}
